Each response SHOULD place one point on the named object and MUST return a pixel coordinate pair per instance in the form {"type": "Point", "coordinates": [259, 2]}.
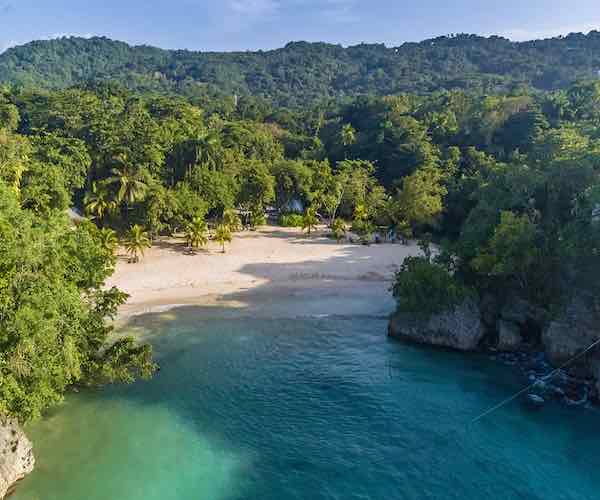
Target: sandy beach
{"type": "Point", "coordinates": [259, 271]}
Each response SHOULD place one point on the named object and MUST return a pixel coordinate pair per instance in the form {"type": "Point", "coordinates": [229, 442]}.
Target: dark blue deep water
{"type": "Point", "coordinates": [321, 408]}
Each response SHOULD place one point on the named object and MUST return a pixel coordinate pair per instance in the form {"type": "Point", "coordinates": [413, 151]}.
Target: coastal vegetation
{"type": "Point", "coordinates": [53, 308]}
{"type": "Point", "coordinates": [507, 183]}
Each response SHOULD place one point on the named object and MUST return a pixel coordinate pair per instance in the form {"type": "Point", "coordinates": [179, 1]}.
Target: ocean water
{"type": "Point", "coordinates": [309, 408]}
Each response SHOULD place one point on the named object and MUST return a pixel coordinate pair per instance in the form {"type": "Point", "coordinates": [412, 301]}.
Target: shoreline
{"type": "Point", "coordinates": [263, 273]}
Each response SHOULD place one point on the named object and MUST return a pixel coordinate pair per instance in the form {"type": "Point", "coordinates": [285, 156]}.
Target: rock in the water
{"type": "Point", "coordinates": [572, 332]}
{"type": "Point", "coordinates": [16, 455]}
{"type": "Point", "coordinates": [509, 336]}
{"type": "Point", "coordinates": [460, 328]}
{"type": "Point", "coordinates": [535, 401]}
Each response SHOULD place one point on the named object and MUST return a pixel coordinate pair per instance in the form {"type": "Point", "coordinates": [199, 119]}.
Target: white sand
{"type": "Point", "coordinates": [259, 271]}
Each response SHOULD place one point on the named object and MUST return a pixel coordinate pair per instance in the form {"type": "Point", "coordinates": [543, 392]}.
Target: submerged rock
{"type": "Point", "coordinates": [16, 455]}
{"type": "Point", "coordinates": [535, 401]}
{"type": "Point", "coordinates": [460, 328]}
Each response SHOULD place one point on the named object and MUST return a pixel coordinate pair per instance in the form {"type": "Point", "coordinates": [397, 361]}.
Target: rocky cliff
{"type": "Point", "coordinates": [527, 335]}
{"type": "Point", "coordinates": [16, 455]}
{"type": "Point", "coordinates": [461, 328]}
{"type": "Point", "coordinates": [572, 331]}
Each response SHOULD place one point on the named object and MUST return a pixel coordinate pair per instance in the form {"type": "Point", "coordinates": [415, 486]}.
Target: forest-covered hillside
{"type": "Point", "coordinates": [302, 73]}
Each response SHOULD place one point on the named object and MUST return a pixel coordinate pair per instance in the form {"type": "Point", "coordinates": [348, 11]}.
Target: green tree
{"type": "Point", "coordinates": [207, 150]}
{"type": "Point", "coordinates": [338, 230]}
{"type": "Point", "coordinates": [421, 199]}
{"type": "Point", "coordinates": [293, 181]}
{"type": "Point", "coordinates": [361, 222]}
{"type": "Point", "coordinates": [108, 240]}
{"type": "Point", "coordinates": [15, 152]}
{"type": "Point", "coordinates": [352, 183]}
{"type": "Point", "coordinates": [196, 233]}
{"type": "Point", "coordinates": [310, 220]}
{"type": "Point", "coordinates": [67, 156]}
{"type": "Point", "coordinates": [43, 189]}
{"type": "Point", "coordinates": [9, 115]}
{"type": "Point", "coordinates": [257, 186]}
{"type": "Point", "coordinates": [512, 252]}
{"type": "Point", "coordinates": [136, 242]}
{"type": "Point", "coordinates": [161, 209]}
{"type": "Point", "coordinates": [98, 202]}
{"type": "Point", "coordinates": [131, 184]}
{"type": "Point", "coordinates": [189, 204]}
{"type": "Point", "coordinates": [424, 287]}
{"type": "Point", "coordinates": [218, 189]}
{"type": "Point", "coordinates": [223, 235]}
{"type": "Point", "coordinates": [232, 220]}
{"type": "Point", "coordinates": [347, 136]}
{"type": "Point", "coordinates": [53, 312]}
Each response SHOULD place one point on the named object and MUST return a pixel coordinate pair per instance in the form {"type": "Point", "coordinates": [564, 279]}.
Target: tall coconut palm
{"type": "Point", "coordinates": [136, 241]}
{"type": "Point", "coordinates": [207, 150]}
{"type": "Point", "coordinates": [130, 182]}
{"type": "Point", "coordinates": [223, 235]}
{"type": "Point", "coordinates": [98, 202]}
{"type": "Point", "coordinates": [196, 233]}
{"type": "Point", "coordinates": [347, 137]}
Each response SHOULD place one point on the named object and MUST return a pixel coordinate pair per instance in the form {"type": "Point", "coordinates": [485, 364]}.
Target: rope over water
{"type": "Point", "coordinates": [531, 386]}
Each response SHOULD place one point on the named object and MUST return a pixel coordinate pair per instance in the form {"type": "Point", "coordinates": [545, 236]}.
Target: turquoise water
{"type": "Point", "coordinates": [321, 408]}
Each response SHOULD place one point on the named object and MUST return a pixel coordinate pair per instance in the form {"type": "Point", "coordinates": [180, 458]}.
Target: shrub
{"type": "Point", "coordinates": [258, 218]}
{"type": "Point", "coordinates": [422, 286]}
{"type": "Point", "coordinates": [291, 220]}
{"type": "Point", "coordinates": [232, 220]}
{"type": "Point", "coordinates": [338, 229]}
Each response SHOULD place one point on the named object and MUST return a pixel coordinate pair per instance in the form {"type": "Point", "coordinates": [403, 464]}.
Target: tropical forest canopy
{"type": "Point", "coordinates": [507, 183]}
{"type": "Point", "coordinates": [303, 73]}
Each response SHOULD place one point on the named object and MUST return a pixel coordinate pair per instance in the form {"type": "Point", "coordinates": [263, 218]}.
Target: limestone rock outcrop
{"type": "Point", "coordinates": [509, 336]}
{"type": "Point", "coordinates": [16, 455]}
{"type": "Point", "coordinates": [460, 328]}
{"type": "Point", "coordinates": [572, 331]}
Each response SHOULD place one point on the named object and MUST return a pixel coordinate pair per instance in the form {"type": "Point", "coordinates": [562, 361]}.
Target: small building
{"type": "Point", "coordinates": [294, 206]}
{"type": "Point", "coordinates": [74, 216]}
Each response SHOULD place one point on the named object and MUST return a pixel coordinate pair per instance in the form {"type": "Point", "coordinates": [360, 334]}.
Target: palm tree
{"type": "Point", "coordinates": [232, 219]}
{"type": "Point", "coordinates": [97, 202]}
{"type": "Point", "coordinates": [338, 229]}
{"type": "Point", "coordinates": [309, 221]}
{"type": "Point", "coordinates": [207, 150]}
{"type": "Point", "coordinates": [108, 240]}
{"type": "Point", "coordinates": [136, 241]}
{"type": "Point", "coordinates": [196, 233]}
{"type": "Point", "coordinates": [348, 137]}
{"type": "Point", "coordinates": [130, 182]}
{"type": "Point", "coordinates": [223, 235]}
